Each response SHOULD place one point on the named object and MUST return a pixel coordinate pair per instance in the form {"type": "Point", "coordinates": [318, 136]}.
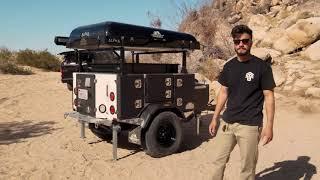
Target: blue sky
{"type": "Point", "coordinates": [34, 23]}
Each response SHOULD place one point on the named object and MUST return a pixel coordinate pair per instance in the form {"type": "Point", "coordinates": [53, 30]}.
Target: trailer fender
{"type": "Point", "coordinates": [152, 110]}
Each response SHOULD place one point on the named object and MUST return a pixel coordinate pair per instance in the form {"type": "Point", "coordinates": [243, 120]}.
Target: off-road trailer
{"type": "Point", "coordinates": [148, 100]}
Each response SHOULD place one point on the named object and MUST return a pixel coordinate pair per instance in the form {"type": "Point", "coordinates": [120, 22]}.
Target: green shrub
{"type": "Point", "coordinates": [38, 59]}
{"type": "Point", "coordinates": [8, 67]}
{"type": "Point", "coordinates": [5, 54]}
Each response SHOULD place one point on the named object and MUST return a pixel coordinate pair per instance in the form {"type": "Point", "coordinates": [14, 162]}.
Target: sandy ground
{"type": "Point", "coordinates": [36, 142]}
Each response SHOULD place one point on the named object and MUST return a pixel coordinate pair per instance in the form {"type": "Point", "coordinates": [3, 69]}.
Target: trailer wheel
{"type": "Point", "coordinates": [101, 131]}
{"type": "Point", "coordinates": [164, 135]}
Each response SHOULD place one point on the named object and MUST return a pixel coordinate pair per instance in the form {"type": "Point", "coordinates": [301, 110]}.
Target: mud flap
{"type": "Point", "coordinates": [134, 136]}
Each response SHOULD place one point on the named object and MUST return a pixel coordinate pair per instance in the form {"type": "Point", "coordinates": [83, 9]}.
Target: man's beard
{"type": "Point", "coordinates": [242, 51]}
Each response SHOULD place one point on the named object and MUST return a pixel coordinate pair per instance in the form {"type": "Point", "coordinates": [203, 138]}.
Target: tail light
{"type": "Point", "coordinates": [112, 110]}
{"type": "Point", "coordinates": [112, 96]}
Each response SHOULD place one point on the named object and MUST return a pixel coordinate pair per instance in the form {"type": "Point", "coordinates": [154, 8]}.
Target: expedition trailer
{"type": "Point", "coordinates": [150, 100]}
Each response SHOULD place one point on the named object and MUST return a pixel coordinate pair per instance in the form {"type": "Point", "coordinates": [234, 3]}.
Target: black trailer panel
{"type": "Point", "coordinates": [183, 91]}
{"type": "Point", "coordinates": [201, 97]}
{"type": "Point", "coordinates": [159, 88]}
{"type": "Point", "coordinates": [130, 89]}
{"type": "Point", "coordinates": [85, 95]}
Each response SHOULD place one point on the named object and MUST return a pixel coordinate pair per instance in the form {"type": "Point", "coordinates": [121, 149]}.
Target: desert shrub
{"type": "Point", "coordinates": [38, 59]}
{"type": "Point", "coordinates": [5, 54]}
{"type": "Point", "coordinates": [8, 67]}
{"type": "Point", "coordinates": [210, 69]}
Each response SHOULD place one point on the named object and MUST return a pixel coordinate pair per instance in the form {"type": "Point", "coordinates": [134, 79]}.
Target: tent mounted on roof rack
{"type": "Point", "coordinates": [113, 34]}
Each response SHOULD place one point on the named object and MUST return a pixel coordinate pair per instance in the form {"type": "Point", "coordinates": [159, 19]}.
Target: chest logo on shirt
{"type": "Point", "coordinates": [249, 76]}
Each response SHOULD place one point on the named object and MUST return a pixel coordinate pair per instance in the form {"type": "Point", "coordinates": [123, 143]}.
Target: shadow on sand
{"type": "Point", "coordinates": [122, 141]}
{"type": "Point", "coordinates": [291, 169]}
{"type": "Point", "coordinates": [16, 132]}
{"type": "Point", "coordinates": [191, 139]}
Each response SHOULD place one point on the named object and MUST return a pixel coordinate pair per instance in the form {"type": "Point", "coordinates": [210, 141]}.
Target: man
{"type": "Point", "coordinates": [246, 82]}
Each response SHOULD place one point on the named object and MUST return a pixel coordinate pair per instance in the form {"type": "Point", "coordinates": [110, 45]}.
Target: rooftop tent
{"type": "Point", "coordinates": [113, 34]}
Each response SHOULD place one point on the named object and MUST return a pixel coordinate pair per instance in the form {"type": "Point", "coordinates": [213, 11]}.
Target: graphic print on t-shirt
{"type": "Point", "coordinates": [249, 76]}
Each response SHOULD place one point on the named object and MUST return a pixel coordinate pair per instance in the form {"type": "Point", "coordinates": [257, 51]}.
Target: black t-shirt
{"type": "Point", "coordinates": [246, 82]}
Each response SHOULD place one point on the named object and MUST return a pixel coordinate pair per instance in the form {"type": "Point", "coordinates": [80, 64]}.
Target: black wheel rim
{"type": "Point", "coordinates": [166, 135]}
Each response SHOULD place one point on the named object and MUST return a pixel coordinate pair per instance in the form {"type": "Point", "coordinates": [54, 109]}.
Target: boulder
{"type": "Point", "coordinates": [290, 79]}
{"type": "Point", "coordinates": [272, 36]}
{"type": "Point", "coordinates": [265, 5]}
{"type": "Point", "coordinates": [295, 66]}
{"type": "Point", "coordinates": [239, 6]}
{"type": "Point", "coordinates": [278, 75]}
{"type": "Point", "coordinates": [287, 88]}
{"type": "Point", "coordinates": [275, 3]}
{"type": "Point", "coordinates": [283, 13]}
{"type": "Point", "coordinates": [291, 20]}
{"type": "Point", "coordinates": [285, 44]}
{"type": "Point", "coordinates": [299, 35]}
{"type": "Point", "coordinates": [259, 24]}
{"type": "Point", "coordinates": [265, 53]}
{"type": "Point", "coordinates": [313, 51]}
{"type": "Point", "coordinates": [313, 91]}
{"type": "Point", "coordinates": [274, 11]}
{"type": "Point", "coordinates": [305, 83]}
{"type": "Point", "coordinates": [310, 5]}
{"type": "Point", "coordinates": [234, 18]}
{"type": "Point", "coordinates": [299, 91]}
{"type": "Point", "coordinates": [289, 2]}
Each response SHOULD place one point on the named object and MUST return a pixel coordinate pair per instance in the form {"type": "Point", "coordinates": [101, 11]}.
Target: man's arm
{"type": "Point", "coordinates": [222, 98]}
{"type": "Point", "coordinates": [267, 130]}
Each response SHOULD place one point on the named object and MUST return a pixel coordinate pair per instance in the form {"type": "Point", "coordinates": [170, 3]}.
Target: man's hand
{"type": "Point", "coordinates": [222, 98]}
{"type": "Point", "coordinates": [213, 127]}
{"type": "Point", "coordinates": [266, 135]}
{"type": "Point", "coordinates": [267, 131]}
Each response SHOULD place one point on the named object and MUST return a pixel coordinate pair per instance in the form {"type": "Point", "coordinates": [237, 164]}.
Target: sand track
{"type": "Point", "coordinates": [36, 142]}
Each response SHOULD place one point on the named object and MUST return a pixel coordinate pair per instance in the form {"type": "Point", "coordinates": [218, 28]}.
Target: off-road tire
{"type": "Point", "coordinates": [164, 136]}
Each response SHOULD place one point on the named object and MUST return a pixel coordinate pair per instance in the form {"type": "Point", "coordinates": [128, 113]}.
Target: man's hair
{"type": "Point", "coordinates": [241, 29]}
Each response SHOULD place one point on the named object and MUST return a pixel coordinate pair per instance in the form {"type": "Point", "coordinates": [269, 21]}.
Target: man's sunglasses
{"type": "Point", "coordinates": [244, 41]}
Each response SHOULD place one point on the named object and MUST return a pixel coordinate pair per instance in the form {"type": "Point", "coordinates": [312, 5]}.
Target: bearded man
{"type": "Point", "coordinates": [246, 83]}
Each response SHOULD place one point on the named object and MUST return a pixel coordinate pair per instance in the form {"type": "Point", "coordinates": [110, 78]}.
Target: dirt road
{"type": "Point", "coordinates": [36, 142]}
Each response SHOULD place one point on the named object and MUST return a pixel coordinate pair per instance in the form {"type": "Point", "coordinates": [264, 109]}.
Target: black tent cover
{"type": "Point", "coordinates": [113, 34]}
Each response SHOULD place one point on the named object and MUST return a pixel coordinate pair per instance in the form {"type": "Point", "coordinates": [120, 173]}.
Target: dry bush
{"type": "Point", "coordinates": [38, 59]}
{"type": "Point", "coordinates": [184, 10]}
{"type": "Point", "coordinates": [8, 66]}
{"type": "Point", "coordinates": [211, 29]}
{"type": "Point", "coordinates": [5, 53]}
{"type": "Point", "coordinates": [11, 68]}
{"type": "Point", "coordinates": [155, 20]}
{"type": "Point", "coordinates": [210, 69]}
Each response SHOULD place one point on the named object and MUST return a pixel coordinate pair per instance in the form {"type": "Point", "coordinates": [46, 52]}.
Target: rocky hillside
{"type": "Point", "coordinates": [286, 32]}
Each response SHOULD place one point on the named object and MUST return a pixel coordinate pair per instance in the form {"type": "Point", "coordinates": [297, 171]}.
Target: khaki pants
{"type": "Point", "coordinates": [228, 135]}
